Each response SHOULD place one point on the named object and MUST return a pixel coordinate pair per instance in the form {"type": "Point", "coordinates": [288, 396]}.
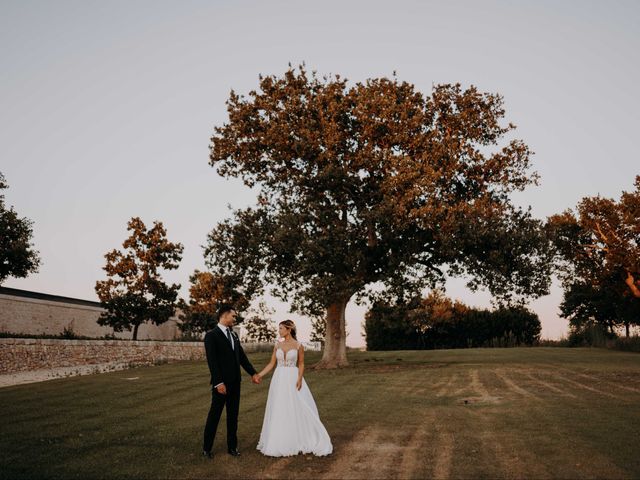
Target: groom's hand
{"type": "Point", "coordinates": [256, 379]}
{"type": "Point", "coordinates": [221, 389]}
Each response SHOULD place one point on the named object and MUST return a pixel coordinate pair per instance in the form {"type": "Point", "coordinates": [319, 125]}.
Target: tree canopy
{"type": "Point", "coordinates": [260, 326]}
{"type": "Point", "coordinates": [17, 256]}
{"type": "Point", "coordinates": [134, 291]}
{"type": "Point", "coordinates": [598, 253]}
{"type": "Point", "coordinates": [373, 189]}
{"type": "Point", "coordinates": [206, 294]}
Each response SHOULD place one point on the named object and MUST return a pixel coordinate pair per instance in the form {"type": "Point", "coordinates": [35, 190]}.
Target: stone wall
{"type": "Point", "coordinates": [28, 354]}
{"type": "Point", "coordinates": [35, 313]}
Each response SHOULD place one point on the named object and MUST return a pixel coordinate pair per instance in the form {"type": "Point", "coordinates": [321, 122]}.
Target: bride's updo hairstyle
{"type": "Point", "coordinates": [291, 326]}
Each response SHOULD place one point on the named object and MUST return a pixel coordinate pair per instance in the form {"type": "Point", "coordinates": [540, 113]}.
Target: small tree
{"type": "Point", "coordinates": [207, 292]}
{"type": "Point", "coordinates": [259, 325]}
{"type": "Point", "coordinates": [17, 257]}
{"type": "Point", "coordinates": [134, 293]}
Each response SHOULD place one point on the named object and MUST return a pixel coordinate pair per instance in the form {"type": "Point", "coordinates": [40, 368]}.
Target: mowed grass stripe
{"type": "Point", "coordinates": [561, 382]}
{"type": "Point", "coordinates": [601, 381]}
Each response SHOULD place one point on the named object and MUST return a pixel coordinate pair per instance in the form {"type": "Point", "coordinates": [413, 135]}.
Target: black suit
{"type": "Point", "coordinates": [224, 366]}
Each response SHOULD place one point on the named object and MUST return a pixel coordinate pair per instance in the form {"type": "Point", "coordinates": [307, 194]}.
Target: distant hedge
{"type": "Point", "coordinates": [406, 327]}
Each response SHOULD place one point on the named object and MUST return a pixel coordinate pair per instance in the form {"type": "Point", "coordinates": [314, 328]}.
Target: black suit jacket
{"type": "Point", "coordinates": [224, 362]}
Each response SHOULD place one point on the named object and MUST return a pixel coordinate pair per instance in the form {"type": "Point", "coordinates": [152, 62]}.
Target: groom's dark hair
{"type": "Point", "coordinates": [224, 308]}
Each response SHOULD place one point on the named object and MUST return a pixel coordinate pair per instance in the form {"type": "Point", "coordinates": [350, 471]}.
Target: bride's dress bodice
{"type": "Point", "coordinates": [288, 358]}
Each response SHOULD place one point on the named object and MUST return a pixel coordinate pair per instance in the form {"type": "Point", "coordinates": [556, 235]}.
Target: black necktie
{"type": "Point", "coordinates": [229, 337]}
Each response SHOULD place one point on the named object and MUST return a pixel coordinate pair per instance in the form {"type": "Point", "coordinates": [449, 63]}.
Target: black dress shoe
{"type": "Point", "coordinates": [234, 452]}
{"type": "Point", "coordinates": [207, 454]}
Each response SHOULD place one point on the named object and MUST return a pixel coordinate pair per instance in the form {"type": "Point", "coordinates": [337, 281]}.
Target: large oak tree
{"type": "Point", "coordinates": [370, 189]}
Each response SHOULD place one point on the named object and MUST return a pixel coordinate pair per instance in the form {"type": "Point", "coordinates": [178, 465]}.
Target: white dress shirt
{"type": "Point", "coordinates": [224, 330]}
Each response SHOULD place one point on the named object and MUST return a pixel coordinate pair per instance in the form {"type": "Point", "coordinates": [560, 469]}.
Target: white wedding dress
{"type": "Point", "coordinates": [291, 422]}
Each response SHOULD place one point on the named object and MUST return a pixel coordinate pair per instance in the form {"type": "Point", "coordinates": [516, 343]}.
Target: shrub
{"type": "Point", "coordinates": [563, 342]}
{"type": "Point", "coordinates": [591, 334]}
{"type": "Point", "coordinates": [628, 344]}
{"type": "Point", "coordinates": [68, 333]}
{"type": "Point", "coordinates": [437, 322]}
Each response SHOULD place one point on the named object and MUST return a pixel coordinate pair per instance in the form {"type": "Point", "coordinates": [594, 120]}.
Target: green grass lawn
{"type": "Point", "coordinates": [477, 413]}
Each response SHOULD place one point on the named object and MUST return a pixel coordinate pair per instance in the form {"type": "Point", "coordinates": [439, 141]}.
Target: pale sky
{"type": "Point", "coordinates": [107, 107]}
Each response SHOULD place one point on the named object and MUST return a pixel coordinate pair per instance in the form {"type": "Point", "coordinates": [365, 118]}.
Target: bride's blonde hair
{"type": "Point", "coordinates": [291, 326]}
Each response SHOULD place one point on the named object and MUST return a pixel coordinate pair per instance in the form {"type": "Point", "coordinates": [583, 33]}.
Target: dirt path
{"type": "Point", "coordinates": [377, 452]}
{"type": "Point", "coordinates": [412, 455]}
{"type": "Point", "coordinates": [278, 468]}
{"type": "Point", "coordinates": [444, 459]}
{"type": "Point", "coordinates": [370, 454]}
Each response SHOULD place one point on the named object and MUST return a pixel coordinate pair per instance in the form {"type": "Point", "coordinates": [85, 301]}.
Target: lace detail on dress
{"type": "Point", "coordinates": [285, 359]}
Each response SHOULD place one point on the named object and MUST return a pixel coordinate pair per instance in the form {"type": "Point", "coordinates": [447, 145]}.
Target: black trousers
{"type": "Point", "coordinates": [218, 401]}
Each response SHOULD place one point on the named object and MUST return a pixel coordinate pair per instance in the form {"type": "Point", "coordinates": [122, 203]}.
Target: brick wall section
{"type": "Point", "coordinates": [27, 354]}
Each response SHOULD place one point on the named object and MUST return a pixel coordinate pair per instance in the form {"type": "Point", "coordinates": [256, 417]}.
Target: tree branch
{"type": "Point", "coordinates": [631, 283]}
{"type": "Point", "coordinates": [430, 266]}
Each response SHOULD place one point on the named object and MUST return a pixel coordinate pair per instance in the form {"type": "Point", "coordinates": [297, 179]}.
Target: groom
{"type": "Point", "coordinates": [224, 356]}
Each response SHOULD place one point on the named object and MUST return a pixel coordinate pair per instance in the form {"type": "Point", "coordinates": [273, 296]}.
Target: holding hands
{"type": "Point", "coordinates": [222, 389]}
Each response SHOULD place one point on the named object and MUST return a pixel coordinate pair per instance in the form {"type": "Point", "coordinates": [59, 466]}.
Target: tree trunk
{"type": "Point", "coordinates": [135, 331]}
{"type": "Point", "coordinates": [626, 327]}
{"type": "Point", "coordinates": [335, 344]}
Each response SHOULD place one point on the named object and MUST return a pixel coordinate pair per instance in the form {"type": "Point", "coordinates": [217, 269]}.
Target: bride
{"type": "Point", "coordinates": [291, 423]}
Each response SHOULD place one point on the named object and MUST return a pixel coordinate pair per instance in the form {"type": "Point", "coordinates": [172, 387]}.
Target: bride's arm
{"type": "Point", "coordinates": [300, 366]}
{"type": "Point", "coordinates": [270, 365]}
